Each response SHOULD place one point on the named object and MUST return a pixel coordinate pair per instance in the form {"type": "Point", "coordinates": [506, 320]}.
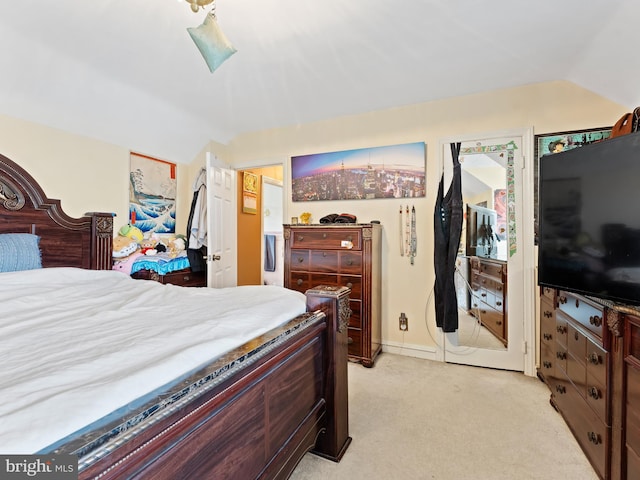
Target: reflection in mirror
{"type": "Point", "coordinates": [481, 267]}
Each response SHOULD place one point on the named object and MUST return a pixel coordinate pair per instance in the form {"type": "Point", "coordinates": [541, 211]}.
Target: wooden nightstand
{"type": "Point", "coordinates": [183, 278]}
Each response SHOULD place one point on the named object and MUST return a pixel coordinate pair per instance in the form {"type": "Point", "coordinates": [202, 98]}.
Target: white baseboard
{"type": "Point", "coordinates": [409, 350]}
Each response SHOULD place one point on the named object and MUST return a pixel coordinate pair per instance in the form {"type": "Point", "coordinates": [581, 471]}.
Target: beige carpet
{"type": "Point", "coordinates": [419, 419]}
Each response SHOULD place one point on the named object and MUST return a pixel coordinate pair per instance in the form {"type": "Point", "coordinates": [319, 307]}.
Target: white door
{"type": "Point", "coordinates": [513, 150]}
{"type": "Point", "coordinates": [222, 262]}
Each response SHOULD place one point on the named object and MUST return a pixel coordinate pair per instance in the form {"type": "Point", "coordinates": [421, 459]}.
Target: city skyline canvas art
{"type": "Point", "coordinates": [394, 171]}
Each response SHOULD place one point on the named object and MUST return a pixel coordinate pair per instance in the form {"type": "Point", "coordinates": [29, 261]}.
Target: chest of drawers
{"type": "Point", "coordinates": [341, 255]}
{"type": "Point", "coordinates": [489, 295]}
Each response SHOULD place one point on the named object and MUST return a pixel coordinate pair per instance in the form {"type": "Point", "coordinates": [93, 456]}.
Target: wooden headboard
{"type": "Point", "coordinates": [84, 242]}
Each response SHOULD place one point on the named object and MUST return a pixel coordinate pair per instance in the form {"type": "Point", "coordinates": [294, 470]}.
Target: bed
{"type": "Point", "coordinates": [134, 402]}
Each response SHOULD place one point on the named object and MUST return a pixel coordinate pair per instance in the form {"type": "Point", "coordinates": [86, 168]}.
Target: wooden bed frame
{"type": "Point", "coordinates": [259, 420]}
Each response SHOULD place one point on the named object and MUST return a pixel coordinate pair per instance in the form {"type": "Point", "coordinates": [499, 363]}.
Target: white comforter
{"type": "Point", "coordinates": [77, 344]}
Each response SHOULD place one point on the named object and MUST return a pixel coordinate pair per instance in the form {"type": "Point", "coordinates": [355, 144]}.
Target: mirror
{"type": "Point", "coordinates": [481, 267]}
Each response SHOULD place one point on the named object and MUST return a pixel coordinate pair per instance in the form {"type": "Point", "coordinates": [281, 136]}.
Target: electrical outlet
{"type": "Point", "coordinates": [403, 322]}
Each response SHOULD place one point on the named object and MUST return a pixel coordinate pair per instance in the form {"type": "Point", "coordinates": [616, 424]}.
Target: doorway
{"type": "Point", "coordinates": [495, 266]}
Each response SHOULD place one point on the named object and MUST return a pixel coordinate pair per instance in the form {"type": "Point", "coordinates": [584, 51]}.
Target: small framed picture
{"type": "Point", "coordinates": [294, 220]}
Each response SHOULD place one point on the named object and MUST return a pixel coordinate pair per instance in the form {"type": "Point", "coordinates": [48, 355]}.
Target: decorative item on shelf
{"type": "Point", "coordinates": [305, 218]}
{"type": "Point", "coordinates": [209, 38]}
{"type": "Point", "coordinates": [294, 220]}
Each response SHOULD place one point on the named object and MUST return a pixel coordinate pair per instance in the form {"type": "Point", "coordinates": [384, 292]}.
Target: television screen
{"type": "Point", "coordinates": [589, 215]}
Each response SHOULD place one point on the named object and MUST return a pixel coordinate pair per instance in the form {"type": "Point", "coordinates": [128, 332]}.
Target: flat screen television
{"type": "Point", "coordinates": [589, 216]}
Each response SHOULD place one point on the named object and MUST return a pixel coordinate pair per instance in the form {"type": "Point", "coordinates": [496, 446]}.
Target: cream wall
{"type": "Point", "coordinates": [549, 107]}
{"type": "Point", "coordinates": [89, 175]}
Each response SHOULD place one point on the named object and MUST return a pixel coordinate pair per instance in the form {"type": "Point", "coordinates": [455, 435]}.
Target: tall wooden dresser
{"type": "Point", "coordinates": [489, 295]}
{"type": "Point", "coordinates": [346, 255]}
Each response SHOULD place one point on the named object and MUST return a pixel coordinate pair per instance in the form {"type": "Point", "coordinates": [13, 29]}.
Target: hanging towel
{"type": "Point", "coordinates": [269, 253]}
{"type": "Point", "coordinates": [197, 224]}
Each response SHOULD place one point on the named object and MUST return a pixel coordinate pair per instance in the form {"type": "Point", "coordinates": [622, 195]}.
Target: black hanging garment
{"type": "Point", "coordinates": [447, 229]}
{"type": "Point", "coordinates": [197, 225]}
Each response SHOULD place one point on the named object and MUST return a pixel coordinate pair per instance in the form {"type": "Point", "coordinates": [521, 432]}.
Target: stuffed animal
{"type": "Point", "coordinates": [126, 263]}
{"type": "Point", "coordinates": [176, 245]}
{"type": "Point", "coordinates": [148, 246]}
{"type": "Point", "coordinates": [123, 247]}
{"type": "Point", "coordinates": [131, 231]}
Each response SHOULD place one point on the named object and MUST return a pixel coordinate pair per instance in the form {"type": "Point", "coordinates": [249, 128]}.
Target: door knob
{"type": "Point", "coordinates": [215, 257]}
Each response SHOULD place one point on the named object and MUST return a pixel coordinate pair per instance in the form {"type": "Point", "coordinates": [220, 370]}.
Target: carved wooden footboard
{"type": "Point", "coordinates": [260, 421]}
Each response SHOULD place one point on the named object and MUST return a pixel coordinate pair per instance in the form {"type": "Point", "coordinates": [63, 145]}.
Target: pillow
{"type": "Point", "coordinates": [212, 43]}
{"type": "Point", "coordinates": [19, 251]}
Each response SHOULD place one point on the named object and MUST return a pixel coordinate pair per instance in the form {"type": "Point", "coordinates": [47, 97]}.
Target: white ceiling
{"type": "Point", "coordinates": [127, 72]}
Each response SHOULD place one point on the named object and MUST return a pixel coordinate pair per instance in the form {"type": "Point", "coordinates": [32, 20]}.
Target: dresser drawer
{"type": "Point", "coordinates": [547, 321]}
{"type": "Point", "coordinates": [596, 397]}
{"type": "Point", "coordinates": [597, 359]}
{"type": "Point", "coordinates": [355, 320]}
{"type": "Point", "coordinates": [547, 361]}
{"type": "Point", "coordinates": [353, 282]}
{"type": "Point", "coordinates": [632, 420]}
{"type": "Point", "coordinates": [329, 239]}
{"type": "Point", "coordinates": [354, 336]}
{"type": "Point", "coordinates": [562, 329]}
{"type": "Point", "coordinates": [493, 320]}
{"type": "Point", "coordinates": [548, 293]}
{"type": "Point", "coordinates": [300, 260]}
{"type": "Point", "coordinates": [300, 281]}
{"type": "Point", "coordinates": [350, 262]}
{"type": "Point", "coordinates": [492, 269]}
{"type": "Point", "coordinates": [589, 315]}
{"type": "Point", "coordinates": [324, 261]}
{"type": "Point", "coordinates": [183, 278]}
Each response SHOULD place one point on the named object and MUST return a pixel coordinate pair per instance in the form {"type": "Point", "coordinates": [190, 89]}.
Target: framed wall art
{"type": "Point", "coordinates": [152, 194]}
{"type": "Point", "coordinates": [395, 171]}
{"type": "Point", "coordinates": [550, 143]}
{"type": "Point", "coordinates": [249, 193]}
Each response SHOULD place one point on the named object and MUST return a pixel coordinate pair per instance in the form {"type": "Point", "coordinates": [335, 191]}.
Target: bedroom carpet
{"type": "Point", "coordinates": [419, 419]}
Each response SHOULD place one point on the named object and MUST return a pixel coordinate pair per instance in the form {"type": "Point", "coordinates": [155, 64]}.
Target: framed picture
{"type": "Point", "coordinates": [395, 171]}
{"type": "Point", "coordinates": [152, 195]}
{"type": "Point", "coordinates": [249, 203]}
{"type": "Point", "coordinates": [550, 143]}
{"type": "Point", "coordinates": [250, 182]}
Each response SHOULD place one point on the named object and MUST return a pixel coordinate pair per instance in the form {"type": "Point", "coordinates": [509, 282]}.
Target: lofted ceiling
{"type": "Point", "coordinates": [127, 72]}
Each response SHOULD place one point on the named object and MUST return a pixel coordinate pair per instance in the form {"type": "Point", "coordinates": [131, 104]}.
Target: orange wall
{"type": "Point", "coordinates": [250, 230]}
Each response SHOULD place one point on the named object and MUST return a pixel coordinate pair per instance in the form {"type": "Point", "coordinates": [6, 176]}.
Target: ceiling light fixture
{"type": "Point", "coordinates": [212, 43]}
{"type": "Point", "coordinates": [198, 4]}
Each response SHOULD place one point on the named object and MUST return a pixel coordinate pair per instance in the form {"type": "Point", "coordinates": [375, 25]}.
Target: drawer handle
{"type": "Point", "coordinates": [499, 322]}
{"type": "Point", "coordinates": [350, 238]}
{"type": "Point", "coordinates": [300, 259]}
{"type": "Point", "coordinates": [300, 238]}
{"type": "Point", "coordinates": [483, 294]}
{"type": "Point", "coordinates": [324, 254]}
{"type": "Point", "coordinates": [595, 393]}
{"type": "Point", "coordinates": [595, 320]}
{"type": "Point", "coordinates": [324, 235]}
{"type": "Point", "coordinates": [546, 364]}
{"type": "Point", "coordinates": [547, 336]}
{"type": "Point", "coordinates": [561, 355]}
{"type": "Point", "coordinates": [186, 278]}
{"type": "Point", "coordinates": [349, 340]}
{"type": "Point", "coordinates": [561, 389]}
{"type": "Point", "coordinates": [499, 288]}
{"type": "Point", "coordinates": [595, 359]}
{"type": "Point", "coordinates": [547, 314]}
{"type": "Point", "coordinates": [577, 303]}
{"type": "Point", "coordinates": [562, 329]}
{"type": "Point", "coordinates": [594, 438]}
{"type": "Point", "coordinates": [483, 311]}
{"type": "Point", "coordinates": [484, 280]}
{"type": "Point", "coordinates": [350, 262]}
{"type": "Point", "coordinates": [299, 282]}
{"type": "Point", "coordinates": [562, 299]}
{"type": "Point", "coordinates": [576, 335]}
{"type": "Point", "coordinates": [350, 285]}
{"type": "Point", "coordinates": [498, 303]}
